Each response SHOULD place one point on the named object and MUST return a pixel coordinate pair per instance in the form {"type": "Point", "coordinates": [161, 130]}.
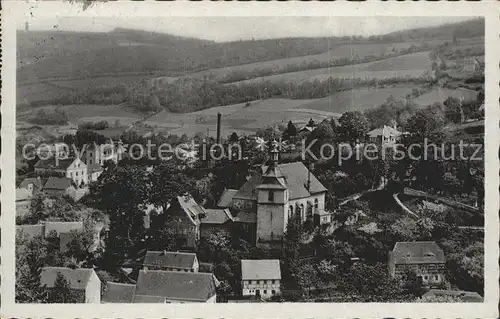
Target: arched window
{"type": "Point", "coordinates": [290, 211]}
{"type": "Point", "coordinates": [302, 211]}
{"type": "Point", "coordinates": [316, 203]}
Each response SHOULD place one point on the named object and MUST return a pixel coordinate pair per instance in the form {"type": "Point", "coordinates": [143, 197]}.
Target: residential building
{"type": "Point", "coordinates": [94, 171]}
{"type": "Point", "coordinates": [84, 282]}
{"type": "Point", "coordinates": [98, 154]}
{"type": "Point", "coordinates": [175, 287]}
{"type": "Point", "coordinates": [33, 185]}
{"type": "Point", "coordinates": [425, 258]}
{"type": "Point", "coordinates": [23, 201]}
{"type": "Point", "coordinates": [59, 150]}
{"type": "Point", "coordinates": [118, 293]}
{"type": "Point", "coordinates": [276, 194]}
{"type": "Point", "coordinates": [385, 136]}
{"type": "Point", "coordinates": [471, 65]}
{"type": "Point", "coordinates": [261, 278]}
{"type": "Point", "coordinates": [185, 214]}
{"type": "Point", "coordinates": [30, 231]}
{"type": "Point", "coordinates": [59, 186]}
{"type": "Point", "coordinates": [72, 168]}
{"type": "Point", "coordinates": [466, 296]}
{"type": "Point", "coordinates": [215, 220]}
{"type": "Point", "coordinates": [171, 261]}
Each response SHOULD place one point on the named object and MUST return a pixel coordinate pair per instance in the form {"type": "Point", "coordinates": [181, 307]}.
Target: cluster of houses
{"type": "Point", "coordinates": [176, 277]}
{"type": "Point", "coordinates": [59, 173]}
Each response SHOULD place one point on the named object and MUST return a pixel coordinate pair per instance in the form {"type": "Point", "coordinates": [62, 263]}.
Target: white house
{"type": "Point", "coordinates": [72, 168]}
{"type": "Point", "coordinates": [260, 277]}
{"type": "Point", "coordinates": [83, 281]}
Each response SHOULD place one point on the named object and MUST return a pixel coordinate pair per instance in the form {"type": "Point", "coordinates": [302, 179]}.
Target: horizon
{"type": "Point", "coordinates": [222, 29]}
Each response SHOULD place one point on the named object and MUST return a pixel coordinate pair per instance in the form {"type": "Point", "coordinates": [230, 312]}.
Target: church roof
{"type": "Point", "coordinates": [294, 177]}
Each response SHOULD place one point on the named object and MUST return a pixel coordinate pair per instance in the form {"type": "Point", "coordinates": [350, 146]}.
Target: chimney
{"type": "Point", "coordinates": [219, 116]}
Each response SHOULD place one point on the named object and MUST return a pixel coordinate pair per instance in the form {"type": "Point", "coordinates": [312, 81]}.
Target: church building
{"type": "Point", "coordinates": [277, 193]}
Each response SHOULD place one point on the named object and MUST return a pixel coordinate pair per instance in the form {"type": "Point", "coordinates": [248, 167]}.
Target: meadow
{"type": "Point", "coordinates": [409, 65]}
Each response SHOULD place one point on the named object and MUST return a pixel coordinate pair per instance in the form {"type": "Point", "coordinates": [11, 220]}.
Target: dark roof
{"type": "Point", "coordinates": [91, 168]}
{"type": "Point", "coordinates": [418, 252]}
{"type": "Point", "coordinates": [62, 227]}
{"type": "Point", "coordinates": [252, 269]}
{"type": "Point", "coordinates": [226, 197]}
{"type": "Point", "coordinates": [118, 293]}
{"type": "Point", "coordinates": [37, 182]}
{"type": "Point", "coordinates": [77, 278]}
{"type": "Point", "coordinates": [58, 183]}
{"type": "Point", "coordinates": [176, 285]}
{"type": "Point", "coordinates": [52, 163]}
{"type": "Point", "coordinates": [30, 230]}
{"type": "Point", "coordinates": [217, 216]}
{"type": "Point", "coordinates": [170, 259]}
{"type": "Point", "coordinates": [149, 299]}
{"type": "Point", "coordinates": [468, 296]}
{"type": "Point", "coordinates": [295, 176]}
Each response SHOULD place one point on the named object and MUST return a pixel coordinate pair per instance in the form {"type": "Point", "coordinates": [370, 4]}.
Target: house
{"type": "Point", "coordinates": [226, 198]}
{"type": "Point", "coordinates": [215, 219]}
{"type": "Point", "coordinates": [33, 185]}
{"type": "Point", "coordinates": [83, 281]}
{"type": "Point", "coordinates": [175, 286]}
{"type": "Point", "coordinates": [59, 150]}
{"type": "Point", "coordinates": [260, 278]}
{"type": "Point", "coordinates": [72, 168]}
{"type": "Point", "coordinates": [94, 171]}
{"type": "Point", "coordinates": [186, 214]}
{"type": "Point", "coordinates": [471, 65]}
{"type": "Point", "coordinates": [385, 135]}
{"type": "Point", "coordinates": [59, 186]}
{"type": "Point", "coordinates": [99, 154]}
{"type": "Point", "coordinates": [118, 293]}
{"type": "Point", "coordinates": [171, 261]}
{"type": "Point", "coordinates": [306, 129]}
{"type": "Point", "coordinates": [277, 193]}
{"type": "Point", "coordinates": [425, 258]}
{"type": "Point", "coordinates": [465, 296]}
{"type": "Point", "coordinates": [52, 229]}
{"type": "Point", "coordinates": [23, 201]}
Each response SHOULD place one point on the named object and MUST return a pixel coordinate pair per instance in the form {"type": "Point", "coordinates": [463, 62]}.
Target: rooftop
{"type": "Point", "coordinates": [170, 259]}
{"type": "Point", "coordinates": [37, 182]}
{"type": "Point", "coordinates": [254, 269]}
{"type": "Point", "coordinates": [118, 293]}
{"type": "Point", "coordinates": [77, 278]}
{"type": "Point", "coordinates": [176, 285]}
{"type": "Point", "coordinates": [295, 176]}
{"type": "Point", "coordinates": [226, 197]}
{"type": "Point", "coordinates": [467, 296]}
{"type": "Point", "coordinates": [52, 163]}
{"type": "Point", "coordinates": [384, 131]}
{"type": "Point", "coordinates": [418, 252]}
{"type": "Point", "coordinates": [217, 216]}
{"type": "Point", "coordinates": [30, 230]}
{"type": "Point", "coordinates": [191, 207]}
{"type": "Point", "coordinates": [22, 194]}
{"type": "Point", "coordinates": [58, 183]}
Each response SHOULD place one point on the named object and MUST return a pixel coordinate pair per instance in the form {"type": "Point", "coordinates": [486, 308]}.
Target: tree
{"type": "Point", "coordinates": [291, 249]}
{"type": "Point", "coordinates": [233, 138]}
{"type": "Point", "coordinates": [290, 131]}
{"type": "Point", "coordinates": [311, 123]}
{"type": "Point", "coordinates": [412, 284]}
{"type": "Point", "coordinates": [30, 258]}
{"type": "Point", "coordinates": [404, 229]}
{"type": "Point", "coordinates": [426, 122]}
{"type": "Point", "coordinates": [354, 126]}
{"type": "Point", "coordinates": [61, 292]}
{"type": "Point", "coordinates": [453, 110]}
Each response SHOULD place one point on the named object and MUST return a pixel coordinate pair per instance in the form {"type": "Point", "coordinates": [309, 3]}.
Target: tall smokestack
{"type": "Point", "coordinates": [219, 116]}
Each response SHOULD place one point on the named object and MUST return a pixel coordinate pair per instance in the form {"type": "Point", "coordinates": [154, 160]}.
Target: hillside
{"type": "Point", "coordinates": [76, 55]}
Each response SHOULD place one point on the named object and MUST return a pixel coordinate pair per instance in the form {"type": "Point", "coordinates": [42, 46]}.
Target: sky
{"type": "Point", "coordinates": [229, 28]}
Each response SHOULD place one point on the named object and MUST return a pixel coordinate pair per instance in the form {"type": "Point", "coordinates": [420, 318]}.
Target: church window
{"type": "Point", "coordinates": [290, 211]}
{"type": "Point", "coordinates": [316, 203]}
{"type": "Point", "coordinates": [270, 197]}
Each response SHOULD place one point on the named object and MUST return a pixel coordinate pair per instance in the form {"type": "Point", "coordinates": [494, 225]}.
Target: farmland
{"type": "Point", "coordinates": [410, 65]}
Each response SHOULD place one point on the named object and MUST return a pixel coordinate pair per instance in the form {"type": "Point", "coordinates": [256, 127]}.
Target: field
{"type": "Point", "coordinates": [439, 95]}
{"type": "Point", "coordinates": [339, 51]}
{"type": "Point", "coordinates": [357, 100]}
{"type": "Point", "coordinates": [409, 65]}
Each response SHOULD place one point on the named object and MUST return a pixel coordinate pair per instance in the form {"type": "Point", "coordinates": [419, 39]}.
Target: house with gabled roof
{"type": "Point", "coordinates": [59, 186]}
{"type": "Point", "coordinates": [171, 261]}
{"type": "Point", "coordinates": [185, 214]}
{"type": "Point", "coordinates": [83, 282]}
{"type": "Point", "coordinates": [72, 168]}
{"type": "Point", "coordinates": [425, 258]}
{"type": "Point", "coordinates": [23, 201]}
{"type": "Point", "coordinates": [32, 184]}
{"type": "Point", "coordinates": [261, 278]}
{"type": "Point", "coordinates": [118, 293]}
{"type": "Point", "coordinates": [175, 287]}
{"type": "Point", "coordinates": [215, 220]}
{"type": "Point", "coordinates": [277, 193]}
{"type": "Point", "coordinates": [384, 135]}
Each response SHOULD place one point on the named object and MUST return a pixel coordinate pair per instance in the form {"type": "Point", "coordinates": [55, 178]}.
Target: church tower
{"type": "Point", "coordinates": [272, 199]}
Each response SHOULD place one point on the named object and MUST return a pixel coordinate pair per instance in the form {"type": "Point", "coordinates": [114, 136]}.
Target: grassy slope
{"type": "Point", "coordinates": [414, 64]}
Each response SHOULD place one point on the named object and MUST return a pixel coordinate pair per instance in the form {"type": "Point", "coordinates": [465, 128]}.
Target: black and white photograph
{"type": "Point", "coordinates": [265, 159]}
